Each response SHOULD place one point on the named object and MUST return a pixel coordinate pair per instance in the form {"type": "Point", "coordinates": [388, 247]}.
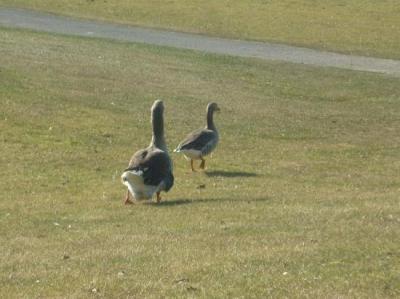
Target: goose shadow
{"type": "Point", "coordinates": [169, 203]}
{"type": "Point", "coordinates": [184, 201]}
{"type": "Point", "coordinates": [229, 174]}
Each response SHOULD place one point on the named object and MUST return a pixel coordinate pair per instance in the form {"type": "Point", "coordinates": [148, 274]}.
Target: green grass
{"type": "Point", "coordinates": [365, 27]}
{"type": "Point", "coordinates": [300, 198]}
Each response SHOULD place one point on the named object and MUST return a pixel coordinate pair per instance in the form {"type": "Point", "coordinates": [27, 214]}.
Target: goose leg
{"type": "Point", "coordinates": [203, 163]}
{"type": "Point", "coordinates": [127, 200]}
{"type": "Point", "coordinates": [191, 165]}
{"type": "Point", "coordinates": [158, 197]}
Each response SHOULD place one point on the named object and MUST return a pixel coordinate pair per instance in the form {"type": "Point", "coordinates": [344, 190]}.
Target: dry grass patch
{"type": "Point", "coordinates": [300, 198]}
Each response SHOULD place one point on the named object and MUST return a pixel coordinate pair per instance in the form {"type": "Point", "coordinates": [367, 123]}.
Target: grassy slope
{"type": "Point", "coordinates": [366, 27]}
{"type": "Point", "coordinates": [300, 199]}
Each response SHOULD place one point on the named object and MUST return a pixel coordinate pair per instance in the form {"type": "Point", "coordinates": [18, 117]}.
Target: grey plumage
{"type": "Point", "coordinates": [156, 166]}
{"type": "Point", "coordinates": [202, 142]}
{"type": "Point", "coordinates": [150, 169]}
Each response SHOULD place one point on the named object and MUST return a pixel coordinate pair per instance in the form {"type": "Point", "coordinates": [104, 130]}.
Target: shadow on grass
{"type": "Point", "coordinates": [229, 174]}
{"type": "Point", "coordinates": [169, 203]}
{"type": "Point", "coordinates": [178, 202]}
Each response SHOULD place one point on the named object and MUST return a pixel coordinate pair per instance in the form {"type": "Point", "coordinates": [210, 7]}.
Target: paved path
{"type": "Point", "coordinates": [19, 18]}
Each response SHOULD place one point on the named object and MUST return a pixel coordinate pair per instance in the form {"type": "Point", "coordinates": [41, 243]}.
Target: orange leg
{"type": "Point", "coordinates": [127, 199]}
{"type": "Point", "coordinates": [191, 165]}
{"type": "Point", "coordinates": [203, 163]}
{"type": "Point", "coordinates": [158, 197]}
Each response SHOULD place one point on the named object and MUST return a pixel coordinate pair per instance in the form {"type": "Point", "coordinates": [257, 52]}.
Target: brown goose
{"type": "Point", "coordinates": [150, 169]}
{"type": "Point", "coordinates": [202, 142]}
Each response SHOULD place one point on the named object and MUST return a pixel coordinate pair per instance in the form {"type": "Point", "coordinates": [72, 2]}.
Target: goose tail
{"type": "Point", "coordinates": [133, 177]}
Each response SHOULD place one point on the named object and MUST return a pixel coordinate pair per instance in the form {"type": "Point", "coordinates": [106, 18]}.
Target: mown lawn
{"type": "Point", "coordinates": [300, 200]}
{"type": "Point", "coordinates": [365, 27]}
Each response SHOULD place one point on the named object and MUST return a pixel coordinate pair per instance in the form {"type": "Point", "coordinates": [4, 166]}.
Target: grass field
{"type": "Point", "coordinates": [365, 27]}
{"type": "Point", "coordinates": [301, 198]}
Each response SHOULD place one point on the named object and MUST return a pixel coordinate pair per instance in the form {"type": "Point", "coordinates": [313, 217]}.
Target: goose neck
{"type": "Point", "coordinates": [157, 121]}
{"type": "Point", "coordinates": [210, 120]}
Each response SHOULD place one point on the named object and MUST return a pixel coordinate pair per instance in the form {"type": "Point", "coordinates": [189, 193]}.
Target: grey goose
{"type": "Point", "coordinates": [202, 142]}
{"type": "Point", "coordinates": [150, 169]}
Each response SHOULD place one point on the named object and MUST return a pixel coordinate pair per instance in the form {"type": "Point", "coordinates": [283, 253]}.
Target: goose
{"type": "Point", "coordinates": [202, 142]}
{"type": "Point", "coordinates": [150, 169]}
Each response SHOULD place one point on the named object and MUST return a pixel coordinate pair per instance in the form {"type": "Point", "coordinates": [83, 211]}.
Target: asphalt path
{"type": "Point", "coordinates": [38, 21]}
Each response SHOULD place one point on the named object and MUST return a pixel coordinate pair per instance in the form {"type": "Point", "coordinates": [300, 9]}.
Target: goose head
{"type": "Point", "coordinates": [213, 107]}
{"type": "Point", "coordinates": [157, 109]}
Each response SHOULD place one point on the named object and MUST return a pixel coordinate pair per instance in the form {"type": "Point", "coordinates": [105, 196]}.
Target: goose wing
{"type": "Point", "coordinates": [155, 165]}
{"type": "Point", "coordinates": [197, 140]}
